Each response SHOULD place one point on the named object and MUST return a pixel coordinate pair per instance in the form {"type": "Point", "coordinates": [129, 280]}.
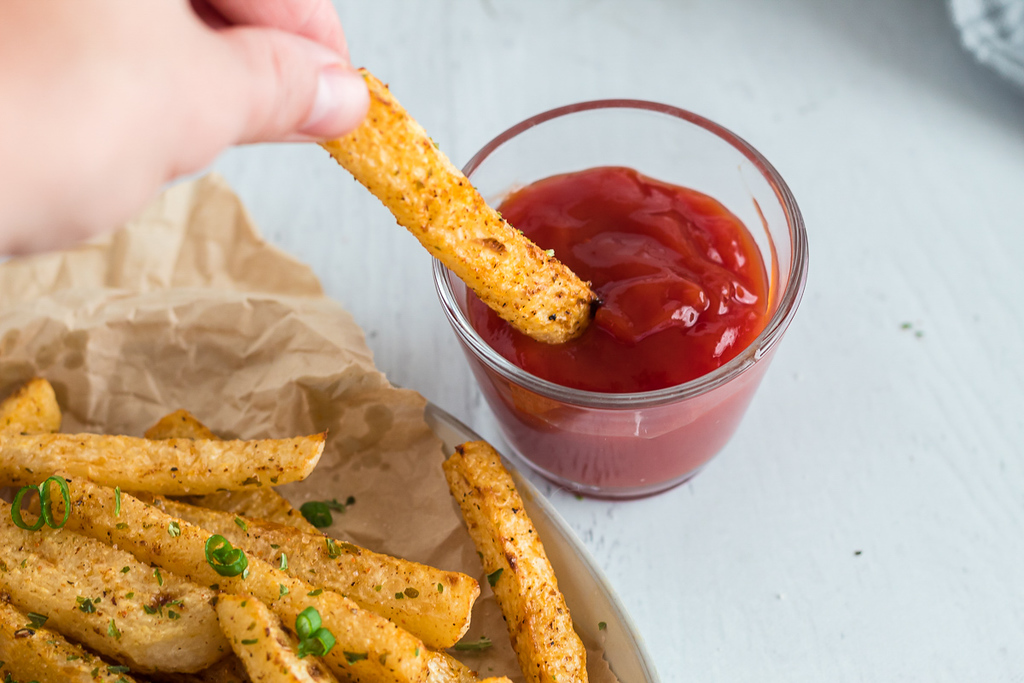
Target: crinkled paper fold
{"type": "Point", "coordinates": [187, 307]}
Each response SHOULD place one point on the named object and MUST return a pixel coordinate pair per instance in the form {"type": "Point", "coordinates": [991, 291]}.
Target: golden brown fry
{"type": "Point", "coordinates": [268, 653]}
{"type": "Point", "coordinates": [538, 619]}
{"type": "Point", "coordinates": [171, 467]}
{"type": "Point", "coordinates": [264, 503]}
{"type": "Point", "coordinates": [32, 409]}
{"type": "Point", "coordinates": [391, 654]}
{"type": "Point", "coordinates": [396, 160]}
{"type": "Point", "coordinates": [432, 604]}
{"type": "Point", "coordinates": [40, 654]}
{"type": "Point", "coordinates": [180, 424]}
{"type": "Point", "coordinates": [152, 621]}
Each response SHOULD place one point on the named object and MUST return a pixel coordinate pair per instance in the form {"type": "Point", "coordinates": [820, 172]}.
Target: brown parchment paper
{"type": "Point", "coordinates": [187, 307]}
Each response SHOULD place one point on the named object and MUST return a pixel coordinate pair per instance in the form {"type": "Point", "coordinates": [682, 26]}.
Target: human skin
{"type": "Point", "coordinates": [104, 101]}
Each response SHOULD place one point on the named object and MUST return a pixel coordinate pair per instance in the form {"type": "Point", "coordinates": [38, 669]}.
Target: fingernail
{"type": "Point", "coordinates": [341, 102]}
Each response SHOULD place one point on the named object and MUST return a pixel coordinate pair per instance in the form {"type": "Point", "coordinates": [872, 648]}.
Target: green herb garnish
{"type": "Point", "coordinates": [493, 577]}
{"type": "Point", "coordinates": [226, 559]}
{"type": "Point", "coordinates": [45, 505]}
{"type": "Point", "coordinates": [313, 638]}
{"type": "Point", "coordinates": [474, 646]}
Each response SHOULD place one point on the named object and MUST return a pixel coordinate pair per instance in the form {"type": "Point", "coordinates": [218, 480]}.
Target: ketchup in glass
{"type": "Point", "coordinates": [683, 285]}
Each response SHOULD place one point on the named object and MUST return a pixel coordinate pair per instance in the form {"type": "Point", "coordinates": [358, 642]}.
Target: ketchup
{"type": "Point", "coordinates": [683, 285]}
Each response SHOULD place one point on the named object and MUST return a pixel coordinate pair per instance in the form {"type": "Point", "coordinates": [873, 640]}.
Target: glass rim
{"type": "Point", "coordinates": [744, 360]}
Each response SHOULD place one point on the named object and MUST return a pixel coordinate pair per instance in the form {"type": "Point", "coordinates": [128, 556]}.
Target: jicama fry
{"type": "Point", "coordinates": [115, 605]}
{"type": "Point", "coordinates": [180, 424]}
{"type": "Point", "coordinates": [432, 604]}
{"type": "Point", "coordinates": [170, 467]}
{"type": "Point", "coordinates": [32, 409]}
{"type": "Point", "coordinates": [264, 502]}
{"type": "Point", "coordinates": [267, 652]}
{"type": "Point", "coordinates": [519, 572]}
{"type": "Point", "coordinates": [377, 649]}
{"type": "Point", "coordinates": [396, 160]}
{"type": "Point", "coordinates": [37, 653]}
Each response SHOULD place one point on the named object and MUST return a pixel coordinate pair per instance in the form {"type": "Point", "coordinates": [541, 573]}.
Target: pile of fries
{"type": "Point", "coordinates": [172, 558]}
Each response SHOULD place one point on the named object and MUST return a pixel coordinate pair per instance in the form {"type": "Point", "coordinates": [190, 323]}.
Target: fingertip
{"type": "Point", "coordinates": [342, 100]}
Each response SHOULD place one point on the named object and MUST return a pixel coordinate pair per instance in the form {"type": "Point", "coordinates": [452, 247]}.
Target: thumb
{"type": "Point", "coordinates": [292, 88]}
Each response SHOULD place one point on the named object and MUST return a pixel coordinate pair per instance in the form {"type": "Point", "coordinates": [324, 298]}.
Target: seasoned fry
{"type": "Point", "coordinates": [538, 619]}
{"type": "Point", "coordinates": [432, 604]}
{"type": "Point", "coordinates": [396, 160]}
{"type": "Point", "coordinates": [152, 621]}
{"type": "Point", "coordinates": [264, 503]}
{"type": "Point", "coordinates": [170, 467]}
{"type": "Point", "coordinates": [180, 424]}
{"type": "Point", "coordinates": [28, 652]}
{"type": "Point", "coordinates": [268, 653]}
{"type": "Point", "coordinates": [384, 651]}
{"type": "Point", "coordinates": [32, 409]}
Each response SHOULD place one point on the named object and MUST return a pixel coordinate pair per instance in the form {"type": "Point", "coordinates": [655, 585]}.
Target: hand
{"type": "Point", "coordinates": [106, 100]}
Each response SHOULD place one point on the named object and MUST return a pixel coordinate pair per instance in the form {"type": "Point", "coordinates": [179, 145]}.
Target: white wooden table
{"type": "Point", "coordinates": [867, 522]}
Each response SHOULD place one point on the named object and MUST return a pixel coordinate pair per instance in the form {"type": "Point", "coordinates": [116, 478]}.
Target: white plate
{"type": "Point", "coordinates": [590, 598]}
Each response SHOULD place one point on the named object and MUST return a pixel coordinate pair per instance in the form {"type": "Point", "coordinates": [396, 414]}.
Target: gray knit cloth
{"type": "Point", "coordinates": [994, 31]}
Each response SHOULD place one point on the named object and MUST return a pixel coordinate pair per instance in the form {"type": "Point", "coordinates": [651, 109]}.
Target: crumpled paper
{"type": "Point", "coordinates": [187, 307]}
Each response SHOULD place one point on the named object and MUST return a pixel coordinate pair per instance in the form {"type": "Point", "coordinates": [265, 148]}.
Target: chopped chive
{"type": "Point", "coordinates": [474, 646]}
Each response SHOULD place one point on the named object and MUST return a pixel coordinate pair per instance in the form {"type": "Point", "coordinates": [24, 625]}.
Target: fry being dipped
{"type": "Point", "coordinates": [396, 160]}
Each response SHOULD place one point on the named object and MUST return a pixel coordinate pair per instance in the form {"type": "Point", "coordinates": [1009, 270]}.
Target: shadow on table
{"type": "Point", "coordinates": [919, 38]}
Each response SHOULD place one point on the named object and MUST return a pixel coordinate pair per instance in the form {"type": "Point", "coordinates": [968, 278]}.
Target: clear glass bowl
{"type": "Point", "coordinates": [630, 445]}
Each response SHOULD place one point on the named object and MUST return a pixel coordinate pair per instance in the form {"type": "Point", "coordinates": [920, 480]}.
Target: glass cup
{"type": "Point", "coordinates": [631, 445]}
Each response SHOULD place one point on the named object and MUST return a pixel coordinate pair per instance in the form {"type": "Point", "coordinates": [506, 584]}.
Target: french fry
{"type": "Point", "coordinates": [115, 604]}
{"type": "Point", "coordinates": [369, 647]}
{"type": "Point", "coordinates": [170, 467]}
{"type": "Point", "coordinates": [32, 409]}
{"type": "Point", "coordinates": [539, 624]}
{"type": "Point", "coordinates": [268, 653]}
{"type": "Point", "coordinates": [396, 160]}
{"type": "Point", "coordinates": [29, 652]}
{"type": "Point", "coordinates": [432, 604]}
{"type": "Point", "coordinates": [264, 503]}
{"type": "Point", "coordinates": [180, 424]}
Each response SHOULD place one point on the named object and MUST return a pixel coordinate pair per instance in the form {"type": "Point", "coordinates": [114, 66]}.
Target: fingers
{"type": "Point", "coordinates": [291, 88]}
{"type": "Point", "coordinates": [313, 19]}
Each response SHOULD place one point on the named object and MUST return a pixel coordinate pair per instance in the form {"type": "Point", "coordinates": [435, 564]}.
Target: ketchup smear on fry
{"type": "Point", "coordinates": [683, 284]}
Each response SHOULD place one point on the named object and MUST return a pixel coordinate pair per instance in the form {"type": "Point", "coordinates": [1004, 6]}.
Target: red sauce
{"type": "Point", "coordinates": [683, 285]}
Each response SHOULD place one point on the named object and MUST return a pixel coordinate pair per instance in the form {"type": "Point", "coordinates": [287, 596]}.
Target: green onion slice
{"type": "Point", "coordinates": [45, 506]}
{"type": "Point", "coordinates": [44, 500]}
{"type": "Point", "coordinates": [226, 559]}
{"type": "Point", "coordinates": [307, 622]}
{"type": "Point", "coordinates": [313, 638]}
{"type": "Point", "coordinates": [16, 510]}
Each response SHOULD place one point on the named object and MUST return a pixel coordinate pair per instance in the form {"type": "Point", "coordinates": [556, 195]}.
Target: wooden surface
{"type": "Point", "coordinates": [867, 522]}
